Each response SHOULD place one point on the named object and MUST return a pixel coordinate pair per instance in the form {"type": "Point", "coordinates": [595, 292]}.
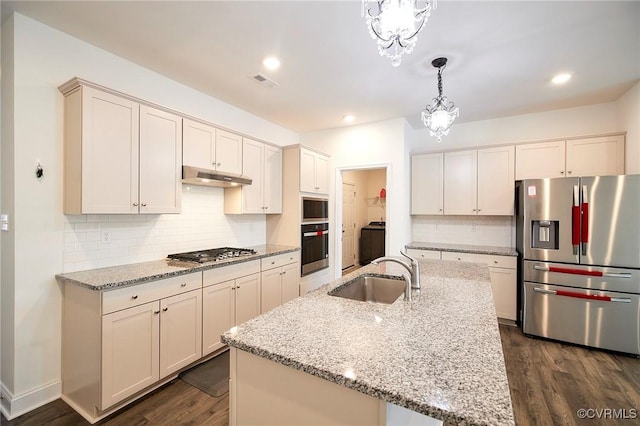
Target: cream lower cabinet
{"type": "Point", "coordinates": [280, 280]}
{"type": "Point", "coordinates": [504, 280]}
{"type": "Point", "coordinates": [230, 296]}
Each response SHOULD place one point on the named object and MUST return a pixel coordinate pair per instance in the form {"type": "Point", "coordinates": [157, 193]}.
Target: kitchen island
{"type": "Point", "coordinates": [439, 355]}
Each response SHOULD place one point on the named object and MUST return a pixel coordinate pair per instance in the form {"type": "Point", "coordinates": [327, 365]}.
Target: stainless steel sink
{"type": "Point", "coordinates": [372, 288]}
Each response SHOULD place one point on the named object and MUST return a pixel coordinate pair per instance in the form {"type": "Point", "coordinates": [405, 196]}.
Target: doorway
{"type": "Point", "coordinates": [363, 202]}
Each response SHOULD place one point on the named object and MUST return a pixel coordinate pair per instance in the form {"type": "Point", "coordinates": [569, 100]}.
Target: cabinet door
{"type": "Point", "coordinates": [290, 282]}
{"type": "Point", "coordinates": [218, 312]}
{"type": "Point", "coordinates": [424, 254]}
{"type": "Point", "coordinates": [595, 156]}
{"type": "Point", "coordinates": [109, 153]}
{"type": "Point", "coordinates": [253, 167]}
{"type": "Point", "coordinates": [307, 171]}
{"type": "Point", "coordinates": [272, 179]}
{"type": "Point", "coordinates": [496, 185]}
{"type": "Point", "coordinates": [180, 331]}
{"type": "Point", "coordinates": [322, 174]}
{"type": "Point", "coordinates": [198, 144]}
{"type": "Point", "coordinates": [540, 160]}
{"type": "Point", "coordinates": [504, 287]}
{"type": "Point", "coordinates": [271, 295]}
{"type": "Point", "coordinates": [247, 294]}
{"type": "Point", "coordinates": [228, 156]}
{"type": "Point", "coordinates": [427, 185]}
{"type": "Point", "coordinates": [460, 174]}
{"type": "Point", "coordinates": [160, 161]}
{"type": "Point", "coordinates": [130, 352]}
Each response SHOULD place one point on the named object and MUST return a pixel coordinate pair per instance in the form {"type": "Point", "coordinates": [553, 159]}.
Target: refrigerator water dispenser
{"type": "Point", "coordinates": [544, 234]}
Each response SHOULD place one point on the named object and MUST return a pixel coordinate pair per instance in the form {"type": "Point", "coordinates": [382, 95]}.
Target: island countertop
{"type": "Point", "coordinates": [439, 355]}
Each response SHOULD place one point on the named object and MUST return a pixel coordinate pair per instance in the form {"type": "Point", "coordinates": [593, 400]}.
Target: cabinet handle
{"type": "Point", "coordinates": [495, 261]}
{"type": "Point", "coordinates": [135, 204]}
{"type": "Point", "coordinates": [144, 204]}
{"type": "Point", "coordinates": [561, 172]}
{"type": "Point", "coordinates": [134, 297]}
{"type": "Point", "coordinates": [238, 287]}
{"type": "Point", "coordinates": [569, 172]}
{"type": "Point", "coordinates": [156, 312]}
{"type": "Point", "coordinates": [165, 309]}
{"type": "Point", "coordinates": [183, 285]}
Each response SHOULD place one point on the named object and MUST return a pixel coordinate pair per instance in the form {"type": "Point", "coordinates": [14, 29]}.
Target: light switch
{"type": "Point", "coordinates": [4, 222]}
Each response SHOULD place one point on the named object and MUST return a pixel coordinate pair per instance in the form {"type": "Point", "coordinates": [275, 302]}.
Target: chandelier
{"type": "Point", "coordinates": [439, 116]}
{"type": "Point", "coordinates": [395, 24]}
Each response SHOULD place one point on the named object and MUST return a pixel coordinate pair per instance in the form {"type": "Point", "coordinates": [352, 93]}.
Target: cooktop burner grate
{"type": "Point", "coordinates": [212, 255]}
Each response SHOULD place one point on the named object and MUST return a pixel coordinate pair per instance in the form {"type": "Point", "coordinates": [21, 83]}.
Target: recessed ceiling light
{"type": "Point", "coordinates": [561, 78]}
{"type": "Point", "coordinates": [348, 118]}
{"type": "Point", "coordinates": [271, 62]}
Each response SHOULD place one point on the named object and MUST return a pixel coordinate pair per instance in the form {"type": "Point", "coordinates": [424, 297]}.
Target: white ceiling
{"type": "Point", "coordinates": [501, 54]}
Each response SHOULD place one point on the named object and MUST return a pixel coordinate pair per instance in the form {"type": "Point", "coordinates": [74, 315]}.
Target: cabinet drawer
{"type": "Point", "coordinates": [279, 260]}
{"type": "Point", "coordinates": [424, 254]}
{"type": "Point", "coordinates": [231, 272]}
{"type": "Point", "coordinates": [489, 259]}
{"type": "Point", "coordinates": [115, 300]}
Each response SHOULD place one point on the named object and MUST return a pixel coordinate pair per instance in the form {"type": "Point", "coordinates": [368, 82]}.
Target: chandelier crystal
{"type": "Point", "coordinates": [439, 116]}
{"type": "Point", "coordinates": [395, 24]}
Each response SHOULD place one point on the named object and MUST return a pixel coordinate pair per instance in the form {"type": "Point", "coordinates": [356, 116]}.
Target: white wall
{"type": "Point", "coordinates": [33, 251]}
{"type": "Point", "coordinates": [628, 111]}
{"type": "Point", "coordinates": [368, 146]}
{"type": "Point", "coordinates": [496, 231]}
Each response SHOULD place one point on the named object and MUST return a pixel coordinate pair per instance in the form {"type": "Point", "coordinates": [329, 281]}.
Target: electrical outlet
{"type": "Point", "coordinates": [106, 237]}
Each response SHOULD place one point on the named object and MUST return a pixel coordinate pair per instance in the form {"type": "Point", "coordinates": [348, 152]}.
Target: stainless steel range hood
{"type": "Point", "coordinates": [204, 177]}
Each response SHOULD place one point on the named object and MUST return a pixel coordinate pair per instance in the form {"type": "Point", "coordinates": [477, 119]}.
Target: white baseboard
{"type": "Point", "coordinates": [13, 406]}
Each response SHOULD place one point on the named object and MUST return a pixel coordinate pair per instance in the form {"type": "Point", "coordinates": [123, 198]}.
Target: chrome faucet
{"type": "Point", "coordinates": [412, 267]}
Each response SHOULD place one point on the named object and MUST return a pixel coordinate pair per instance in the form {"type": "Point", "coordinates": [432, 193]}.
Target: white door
{"type": "Point", "coordinates": [218, 312]}
{"type": "Point", "coordinates": [198, 144]}
{"type": "Point", "coordinates": [180, 331]}
{"type": "Point", "coordinates": [595, 156]}
{"type": "Point", "coordinates": [247, 294]}
{"type": "Point", "coordinates": [270, 289]}
{"type": "Point", "coordinates": [228, 152]}
{"type": "Point", "coordinates": [496, 185]}
{"type": "Point", "coordinates": [540, 160]}
{"type": "Point", "coordinates": [348, 225]}
{"type": "Point", "coordinates": [252, 166]}
{"type": "Point", "coordinates": [272, 179]}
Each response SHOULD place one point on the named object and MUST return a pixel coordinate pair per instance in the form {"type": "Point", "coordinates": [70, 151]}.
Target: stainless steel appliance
{"type": "Point", "coordinates": [579, 246]}
{"type": "Point", "coordinates": [205, 177]}
{"type": "Point", "coordinates": [212, 255]}
{"type": "Point", "coordinates": [315, 209]}
{"type": "Point", "coordinates": [315, 247]}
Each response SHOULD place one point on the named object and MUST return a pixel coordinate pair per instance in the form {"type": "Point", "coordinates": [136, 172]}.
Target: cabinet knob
{"type": "Point", "coordinates": [273, 262]}
{"type": "Point", "coordinates": [474, 210]}
{"type": "Point", "coordinates": [238, 287]}
{"type": "Point", "coordinates": [144, 204]}
{"type": "Point", "coordinates": [440, 209]}
{"type": "Point", "coordinates": [135, 204]}
{"type": "Point", "coordinates": [218, 164]}
{"type": "Point", "coordinates": [165, 309]}
{"type": "Point", "coordinates": [479, 210]}
{"type": "Point", "coordinates": [134, 297]}
{"type": "Point", "coordinates": [183, 285]}
{"type": "Point", "coordinates": [569, 172]}
{"type": "Point", "coordinates": [561, 172]}
{"type": "Point", "coordinates": [156, 312]}
{"type": "Point", "coordinates": [495, 261]}
{"type": "Point", "coordinates": [459, 258]}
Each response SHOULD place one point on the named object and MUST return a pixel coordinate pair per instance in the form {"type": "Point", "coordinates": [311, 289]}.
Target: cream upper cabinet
{"type": "Point", "coordinates": [496, 184]}
{"type": "Point", "coordinates": [479, 182]}
{"type": "Point", "coordinates": [460, 174]}
{"type": "Point", "coordinates": [263, 164]}
{"type": "Point", "coordinates": [427, 184]}
{"type": "Point", "coordinates": [595, 156]}
{"type": "Point", "coordinates": [120, 156]}
{"type": "Point", "coordinates": [314, 172]}
{"type": "Point", "coordinates": [206, 147]}
{"type": "Point", "coordinates": [540, 160]}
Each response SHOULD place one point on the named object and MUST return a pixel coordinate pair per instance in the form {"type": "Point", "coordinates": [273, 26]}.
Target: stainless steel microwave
{"type": "Point", "coordinates": [315, 209]}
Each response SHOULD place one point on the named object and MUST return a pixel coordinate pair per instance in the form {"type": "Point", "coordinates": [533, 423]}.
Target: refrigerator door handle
{"type": "Point", "coordinates": [575, 220]}
{"type": "Point", "coordinates": [584, 220]}
{"type": "Point", "coordinates": [577, 295]}
{"type": "Point", "coordinates": [618, 275]}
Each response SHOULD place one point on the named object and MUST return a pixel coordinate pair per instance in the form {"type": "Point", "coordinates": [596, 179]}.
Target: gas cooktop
{"type": "Point", "coordinates": [212, 255]}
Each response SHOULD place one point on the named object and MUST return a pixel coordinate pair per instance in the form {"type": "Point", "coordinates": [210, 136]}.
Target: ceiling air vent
{"type": "Point", "coordinates": [264, 81]}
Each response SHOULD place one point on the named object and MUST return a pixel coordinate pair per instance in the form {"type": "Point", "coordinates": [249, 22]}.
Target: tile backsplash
{"type": "Point", "coordinates": [482, 230]}
{"type": "Point", "coordinates": [96, 241]}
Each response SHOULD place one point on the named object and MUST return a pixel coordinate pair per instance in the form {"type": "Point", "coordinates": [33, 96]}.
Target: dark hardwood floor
{"type": "Point", "coordinates": [549, 383]}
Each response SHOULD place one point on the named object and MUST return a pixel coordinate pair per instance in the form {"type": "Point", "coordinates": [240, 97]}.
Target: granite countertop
{"type": "Point", "coordinates": [463, 248]}
{"type": "Point", "coordinates": [137, 273]}
{"type": "Point", "coordinates": [439, 355]}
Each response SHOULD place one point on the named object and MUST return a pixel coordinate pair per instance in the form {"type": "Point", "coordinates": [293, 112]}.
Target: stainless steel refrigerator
{"type": "Point", "coordinates": [579, 270]}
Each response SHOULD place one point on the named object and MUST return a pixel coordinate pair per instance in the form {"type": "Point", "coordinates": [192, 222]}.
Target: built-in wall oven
{"type": "Point", "coordinates": [315, 247]}
{"type": "Point", "coordinates": [315, 210]}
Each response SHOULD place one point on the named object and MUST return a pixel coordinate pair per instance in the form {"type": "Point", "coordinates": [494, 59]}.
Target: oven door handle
{"type": "Point", "coordinates": [315, 233]}
{"type": "Point", "coordinates": [577, 295]}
